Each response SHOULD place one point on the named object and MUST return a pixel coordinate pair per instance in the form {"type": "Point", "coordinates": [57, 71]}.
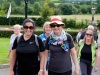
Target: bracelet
{"type": "Point", "coordinates": [41, 70]}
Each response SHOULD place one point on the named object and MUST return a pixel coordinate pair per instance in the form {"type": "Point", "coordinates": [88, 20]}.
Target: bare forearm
{"type": "Point", "coordinates": [74, 57]}
{"type": "Point", "coordinates": [97, 59]}
{"type": "Point", "coordinates": [42, 58]}
{"type": "Point", "coordinates": [12, 62]}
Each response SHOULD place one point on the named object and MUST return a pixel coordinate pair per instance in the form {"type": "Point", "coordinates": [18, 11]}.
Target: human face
{"type": "Point", "coordinates": [57, 28]}
{"type": "Point", "coordinates": [16, 30]}
{"type": "Point", "coordinates": [28, 28]}
{"type": "Point", "coordinates": [89, 35]}
{"type": "Point", "coordinates": [47, 29]}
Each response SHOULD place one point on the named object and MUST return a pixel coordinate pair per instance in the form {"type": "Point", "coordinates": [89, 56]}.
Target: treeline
{"type": "Point", "coordinates": [36, 7]}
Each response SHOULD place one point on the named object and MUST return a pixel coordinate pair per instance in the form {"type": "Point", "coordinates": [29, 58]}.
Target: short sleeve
{"type": "Point", "coordinates": [71, 42]}
{"type": "Point", "coordinates": [15, 44]}
{"type": "Point", "coordinates": [41, 45]}
{"type": "Point", "coordinates": [46, 44]}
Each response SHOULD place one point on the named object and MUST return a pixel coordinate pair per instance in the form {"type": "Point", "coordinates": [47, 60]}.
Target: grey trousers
{"type": "Point", "coordinates": [86, 67]}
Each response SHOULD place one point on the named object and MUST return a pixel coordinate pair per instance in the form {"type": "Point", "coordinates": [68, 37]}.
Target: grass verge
{"type": "Point", "coordinates": [4, 45]}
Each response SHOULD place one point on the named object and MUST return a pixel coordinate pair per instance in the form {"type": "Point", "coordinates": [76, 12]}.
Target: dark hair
{"type": "Point", "coordinates": [28, 20]}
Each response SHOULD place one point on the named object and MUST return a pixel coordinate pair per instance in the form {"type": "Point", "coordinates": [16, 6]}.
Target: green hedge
{"type": "Point", "coordinates": [69, 23]}
{"type": "Point", "coordinates": [19, 20]}
{"type": "Point", "coordinates": [7, 34]}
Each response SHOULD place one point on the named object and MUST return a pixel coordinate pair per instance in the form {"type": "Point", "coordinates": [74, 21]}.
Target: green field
{"type": "Point", "coordinates": [76, 17]}
{"type": "Point", "coordinates": [4, 45]}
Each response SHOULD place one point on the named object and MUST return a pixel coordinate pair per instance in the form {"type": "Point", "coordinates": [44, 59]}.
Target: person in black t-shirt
{"type": "Point", "coordinates": [88, 54]}
{"type": "Point", "coordinates": [26, 51]}
{"type": "Point", "coordinates": [60, 44]}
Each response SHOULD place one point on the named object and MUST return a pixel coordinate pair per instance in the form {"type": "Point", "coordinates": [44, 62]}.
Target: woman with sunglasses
{"type": "Point", "coordinates": [88, 54]}
{"type": "Point", "coordinates": [26, 52]}
{"type": "Point", "coordinates": [60, 45]}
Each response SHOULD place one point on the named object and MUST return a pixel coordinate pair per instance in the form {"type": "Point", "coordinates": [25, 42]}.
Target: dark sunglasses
{"type": "Point", "coordinates": [55, 25]}
{"type": "Point", "coordinates": [89, 34]}
{"type": "Point", "coordinates": [30, 27]}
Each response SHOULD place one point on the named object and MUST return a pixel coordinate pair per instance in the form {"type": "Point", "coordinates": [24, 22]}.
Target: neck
{"type": "Point", "coordinates": [16, 34]}
{"type": "Point", "coordinates": [88, 42]}
{"type": "Point", "coordinates": [26, 37]}
{"type": "Point", "coordinates": [47, 34]}
{"type": "Point", "coordinates": [58, 34]}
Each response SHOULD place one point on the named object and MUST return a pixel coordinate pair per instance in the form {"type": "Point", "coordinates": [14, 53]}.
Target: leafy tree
{"type": "Point", "coordinates": [37, 8]}
{"type": "Point", "coordinates": [2, 11]}
{"type": "Point", "coordinates": [67, 9]}
{"type": "Point", "coordinates": [17, 2]}
{"type": "Point", "coordinates": [98, 8]}
{"type": "Point", "coordinates": [98, 1]}
{"type": "Point", "coordinates": [46, 10]}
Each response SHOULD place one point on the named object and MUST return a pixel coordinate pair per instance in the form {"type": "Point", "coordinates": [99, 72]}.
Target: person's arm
{"type": "Point", "coordinates": [42, 58]}
{"type": "Point", "coordinates": [45, 64]}
{"type": "Point", "coordinates": [75, 60]}
{"type": "Point", "coordinates": [12, 61]}
{"type": "Point", "coordinates": [10, 46]}
{"type": "Point", "coordinates": [96, 62]}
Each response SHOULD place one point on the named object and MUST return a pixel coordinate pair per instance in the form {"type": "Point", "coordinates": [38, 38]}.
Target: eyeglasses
{"type": "Point", "coordinates": [89, 34]}
{"type": "Point", "coordinates": [30, 27]}
{"type": "Point", "coordinates": [55, 25]}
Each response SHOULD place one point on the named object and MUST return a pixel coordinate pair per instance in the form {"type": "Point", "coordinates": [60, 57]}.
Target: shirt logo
{"type": "Point", "coordinates": [30, 42]}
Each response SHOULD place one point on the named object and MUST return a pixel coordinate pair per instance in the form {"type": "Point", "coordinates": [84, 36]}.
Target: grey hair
{"type": "Point", "coordinates": [90, 27]}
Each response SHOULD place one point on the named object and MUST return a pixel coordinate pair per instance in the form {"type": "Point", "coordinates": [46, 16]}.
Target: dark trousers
{"type": "Point", "coordinates": [65, 73]}
{"type": "Point", "coordinates": [85, 66]}
{"type": "Point", "coordinates": [16, 68]}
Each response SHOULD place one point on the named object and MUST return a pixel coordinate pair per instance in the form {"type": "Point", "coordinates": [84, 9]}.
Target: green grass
{"type": "Point", "coordinates": [4, 45]}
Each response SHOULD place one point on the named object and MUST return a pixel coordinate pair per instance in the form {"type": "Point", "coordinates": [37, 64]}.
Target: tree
{"type": "Point", "coordinates": [38, 8]}
{"type": "Point", "coordinates": [98, 1]}
{"type": "Point", "coordinates": [46, 10]}
{"type": "Point", "coordinates": [17, 2]}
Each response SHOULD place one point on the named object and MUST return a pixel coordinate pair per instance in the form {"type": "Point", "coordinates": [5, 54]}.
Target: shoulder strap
{"type": "Point", "coordinates": [18, 38]}
{"type": "Point", "coordinates": [36, 40]}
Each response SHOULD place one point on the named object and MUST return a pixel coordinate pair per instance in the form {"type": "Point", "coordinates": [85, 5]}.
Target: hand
{"type": "Point", "coordinates": [76, 71]}
{"type": "Point", "coordinates": [45, 72]}
{"type": "Point", "coordinates": [11, 72]}
{"type": "Point", "coordinates": [95, 68]}
{"type": "Point", "coordinates": [40, 72]}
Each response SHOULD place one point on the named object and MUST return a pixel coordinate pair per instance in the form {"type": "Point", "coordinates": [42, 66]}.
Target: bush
{"type": "Point", "coordinates": [7, 34]}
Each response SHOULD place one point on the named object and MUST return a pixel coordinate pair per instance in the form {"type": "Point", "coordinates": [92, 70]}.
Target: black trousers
{"type": "Point", "coordinates": [65, 73]}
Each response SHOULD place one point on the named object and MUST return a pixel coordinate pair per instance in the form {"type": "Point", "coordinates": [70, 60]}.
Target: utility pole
{"type": "Point", "coordinates": [26, 8]}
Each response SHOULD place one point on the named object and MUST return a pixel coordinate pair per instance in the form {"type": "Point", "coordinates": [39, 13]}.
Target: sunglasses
{"type": "Point", "coordinates": [30, 27]}
{"type": "Point", "coordinates": [55, 25]}
{"type": "Point", "coordinates": [89, 34]}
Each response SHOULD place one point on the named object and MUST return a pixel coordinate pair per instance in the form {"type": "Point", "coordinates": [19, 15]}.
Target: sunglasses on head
{"type": "Point", "coordinates": [55, 25]}
{"type": "Point", "coordinates": [30, 27]}
{"type": "Point", "coordinates": [89, 34]}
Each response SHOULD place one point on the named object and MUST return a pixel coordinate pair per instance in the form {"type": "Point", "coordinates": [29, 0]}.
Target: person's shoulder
{"type": "Point", "coordinates": [41, 35]}
{"type": "Point", "coordinates": [68, 35]}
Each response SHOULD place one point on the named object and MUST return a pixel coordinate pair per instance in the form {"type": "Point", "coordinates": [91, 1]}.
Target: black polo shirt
{"type": "Point", "coordinates": [27, 54]}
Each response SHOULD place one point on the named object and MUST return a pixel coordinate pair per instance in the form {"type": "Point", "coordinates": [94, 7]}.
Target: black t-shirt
{"type": "Point", "coordinates": [27, 55]}
{"type": "Point", "coordinates": [86, 52]}
{"type": "Point", "coordinates": [60, 60]}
